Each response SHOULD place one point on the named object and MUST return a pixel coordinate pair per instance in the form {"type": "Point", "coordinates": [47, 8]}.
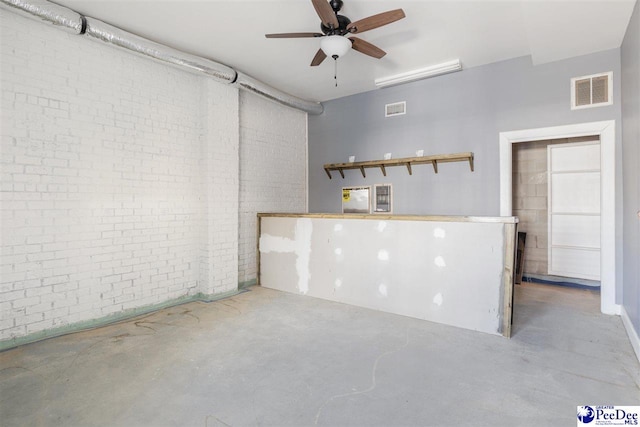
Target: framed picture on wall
{"type": "Point", "coordinates": [356, 200]}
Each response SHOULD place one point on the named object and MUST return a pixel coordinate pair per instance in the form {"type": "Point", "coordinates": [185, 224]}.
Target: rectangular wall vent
{"type": "Point", "coordinates": [592, 91]}
{"type": "Point", "coordinates": [382, 198]}
{"type": "Point", "coordinates": [395, 109]}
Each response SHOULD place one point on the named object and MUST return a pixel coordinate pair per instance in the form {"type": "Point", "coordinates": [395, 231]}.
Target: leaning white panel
{"type": "Point", "coordinates": [456, 272]}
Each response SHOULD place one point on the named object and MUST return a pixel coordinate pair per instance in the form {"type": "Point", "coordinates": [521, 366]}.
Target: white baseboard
{"type": "Point", "coordinates": [633, 334]}
{"type": "Point", "coordinates": [617, 310]}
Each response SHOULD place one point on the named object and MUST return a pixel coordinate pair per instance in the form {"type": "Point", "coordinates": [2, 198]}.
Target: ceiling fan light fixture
{"type": "Point", "coordinates": [335, 46]}
{"type": "Point", "coordinates": [422, 73]}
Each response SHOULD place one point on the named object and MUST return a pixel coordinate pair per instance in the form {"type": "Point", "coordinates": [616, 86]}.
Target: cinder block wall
{"type": "Point", "coordinates": [120, 180]}
{"type": "Point", "coordinates": [530, 201]}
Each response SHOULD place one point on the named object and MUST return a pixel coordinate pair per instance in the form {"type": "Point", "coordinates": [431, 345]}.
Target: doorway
{"type": "Point", "coordinates": [606, 132]}
{"type": "Point", "coordinates": [556, 196]}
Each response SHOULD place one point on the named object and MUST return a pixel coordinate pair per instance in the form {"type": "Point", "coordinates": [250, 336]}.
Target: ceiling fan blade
{"type": "Point", "coordinates": [376, 21]}
{"type": "Point", "coordinates": [317, 60]}
{"type": "Point", "coordinates": [367, 48]}
{"type": "Point", "coordinates": [326, 13]}
{"type": "Point", "coordinates": [292, 35]}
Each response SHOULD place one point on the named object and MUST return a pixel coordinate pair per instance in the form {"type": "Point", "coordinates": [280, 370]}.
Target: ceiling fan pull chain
{"type": "Point", "coordinates": [335, 70]}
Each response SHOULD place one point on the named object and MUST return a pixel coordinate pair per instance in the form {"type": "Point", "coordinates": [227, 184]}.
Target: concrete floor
{"type": "Point", "coordinates": [270, 358]}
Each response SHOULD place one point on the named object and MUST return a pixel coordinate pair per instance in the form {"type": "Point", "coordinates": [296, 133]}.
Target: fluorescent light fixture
{"type": "Point", "coordinates": [423, 73]}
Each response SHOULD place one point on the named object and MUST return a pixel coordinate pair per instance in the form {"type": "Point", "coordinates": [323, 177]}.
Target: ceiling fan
{"type": "Point", "coordinates": [336, 27]}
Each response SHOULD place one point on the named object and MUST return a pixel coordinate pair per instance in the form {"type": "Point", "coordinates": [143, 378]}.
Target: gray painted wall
{"type": "Point", "coordinates": [464, 111]}
{"type": "Point", "coordinates": [630, 59]}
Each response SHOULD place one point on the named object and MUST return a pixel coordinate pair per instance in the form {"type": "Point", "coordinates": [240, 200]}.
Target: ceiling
{"type": "Point", "coordinates": [476, 31]}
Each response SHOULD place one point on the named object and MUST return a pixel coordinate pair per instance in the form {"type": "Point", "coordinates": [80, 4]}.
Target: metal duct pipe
{"type": "Point", "coordinates": [115, 36]}
{"type": "Point", "coordinates": [60, 16]}
{"type": "Point", "coordinates": [252, 85]}
{"type": "Point", "coordinates": [75, 23]}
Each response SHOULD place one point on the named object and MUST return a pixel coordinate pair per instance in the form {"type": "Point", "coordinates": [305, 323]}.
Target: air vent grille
{"type": "Point", "coordinates": [583, 92]}
{"type": "Point", "coordinates": [599, 92]}
{"type": "Point", "coordinates": [395, 109]}
{"type": "Point", "coordinates": [591, 91]}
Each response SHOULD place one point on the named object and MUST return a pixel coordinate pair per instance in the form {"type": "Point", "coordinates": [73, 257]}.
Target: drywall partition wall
{"type": "Point", "coordinates": [120, 183]}
{"type": "Point", "coordinates": [273, 169]}
{"type": "Point", "coordinates": [630, 56]}
{"type": "Point", "coordinates": [451, 270]}
{"type": "Point", "coordinates": [457, 112]}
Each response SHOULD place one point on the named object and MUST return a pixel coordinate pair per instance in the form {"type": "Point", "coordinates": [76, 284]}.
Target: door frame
{"type": "Point", "coordinates": [606, 131]}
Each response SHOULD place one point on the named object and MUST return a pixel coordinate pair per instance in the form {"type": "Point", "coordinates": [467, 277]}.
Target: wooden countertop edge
{"type": "Point", "coordinates": [379, 217]}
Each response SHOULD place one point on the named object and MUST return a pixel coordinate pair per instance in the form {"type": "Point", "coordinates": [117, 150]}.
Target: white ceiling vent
{"type": "Point", "coordinates": [592, 91]}
{"type": "Point", "coordinates": [395, 109]}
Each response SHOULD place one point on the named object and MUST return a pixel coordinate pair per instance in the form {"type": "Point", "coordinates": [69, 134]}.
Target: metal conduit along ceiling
{"type": "Point", "coordinates": [477, 32]}
{"type": "Point", "coordinates": [72, 22]}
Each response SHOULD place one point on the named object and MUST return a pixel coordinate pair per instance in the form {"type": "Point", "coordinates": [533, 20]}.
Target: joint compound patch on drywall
{"type": "Point", "coordinates": [437, 300]}
{"type": "Point", "coordinates": [381, 226]}
{"type": "Point", "coordinates": [439, 261]}
{"type": "Point", "coordinates": [383, 255]}
{"type": "Point", "coordinates": [299, 245]}
{"type": "Point", "coordinates": [270, 243]}
{"type": "Point", "coordinates": [337, 228]}
{"type": "Point", "coordinates": [382, 289]}
{"type": "Point", "coordinates": [439, 233]}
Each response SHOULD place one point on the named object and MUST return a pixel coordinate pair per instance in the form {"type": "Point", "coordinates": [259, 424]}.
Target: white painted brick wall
{"type": "Point", "coordinates": [273, 169]}
{"type": "Point", "coordinates": [127, 183]}
{"type": "Point", "coordinates": [220, 156]}
{"type": "Point", "coordinates": [100, 179]}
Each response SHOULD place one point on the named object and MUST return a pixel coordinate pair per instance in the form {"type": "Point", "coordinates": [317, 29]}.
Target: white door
{"type": "Point", "coordinates": [574, 209]}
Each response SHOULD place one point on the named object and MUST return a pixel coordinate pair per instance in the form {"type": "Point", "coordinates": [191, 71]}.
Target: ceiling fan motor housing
{"type": "Point", "coordinates": [343, 21]}
{"type": "Point", "coordinates": [336, 5]}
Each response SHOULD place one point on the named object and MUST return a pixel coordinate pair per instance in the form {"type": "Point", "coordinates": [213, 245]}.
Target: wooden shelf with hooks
{"type": "Point", "coordinates": [408, 162]}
